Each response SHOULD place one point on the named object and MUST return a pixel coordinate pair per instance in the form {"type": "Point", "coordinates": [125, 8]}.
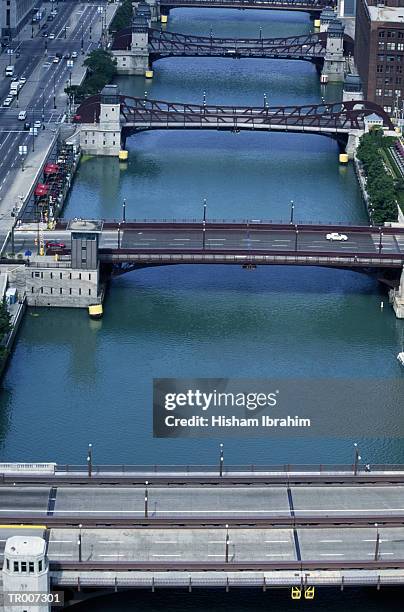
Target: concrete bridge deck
{"type": "Point", "coordinates": [307, 6]}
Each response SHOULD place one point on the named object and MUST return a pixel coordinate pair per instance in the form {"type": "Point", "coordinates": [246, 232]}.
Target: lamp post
{"type": "Point", "coordinates": [54, 92]}
{"type": "Point", "coordinates": [357, 458]}
{"type": "Point", "coordinates": [90, 460]}
{"type": "Point", "coordinates": [221, 460]}
{"type": "Point", "coordinates": [227, 545]}
{"type": "Point", "coordinates": [204, 225]}
{"type": "Point", "coordinates": [204, 101]}
{"type": "Point", "coordinates": [380, 240]}
{"type": "Point", "coordinates": [124, 211]}
{"type": "Point", "coordinates": [377, 546]}
{"type": "Point", "coordinates": [296, 237]}
{"type": "Point", "coordinates": [292, 211]}
{"type": "Point", "coordinates": [79, 543]}
{"type": "Point", "coordinates": [146, 500]}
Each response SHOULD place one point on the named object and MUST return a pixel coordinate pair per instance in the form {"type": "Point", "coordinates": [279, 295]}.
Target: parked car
{"type": "Point", "coordinates": [55, 60]}
{"type": "Point", "coordinates": [23, 80]}
{"type": "Point", "coordinates": [22, 115]}
{"type": "Point", "coordinates": [37, 124]}
{"type": "Point", "coordinates": [7, 101]}
{"type": "Point", "coordinates": [336, 236]}
{"type": "Point", "coordinates": [74, 54]}
{"type": "Point", "coordinates": [53, 248]}
{"type": "Point", "coordinates": [51, 36]}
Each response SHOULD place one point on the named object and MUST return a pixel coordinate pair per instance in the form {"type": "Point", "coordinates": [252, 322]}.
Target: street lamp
{"type": "Point", "coordinates": [79, 543]}
{"type": "Point", "coordinates": [204, 225]}
{"type": "Point", "coordinates": [221, 461]}
{"type": "Point", "coordinates": [54, 92]}
{"type": "Point", "coordinates": [296, 236]}
{"type": "Point", "coordinates": [124, 210]}
{"type": "Point", "coordinates": [90, 460]}
{"type": "Point", "coordinates": [377, 547]}
{"type": "Point", "coordinates": [357, 458]}
{"type": "Point", "coordinates": [380, 240]}
{"type": "Point", "coordinates": [146, 500]}
{"type": "Point", "coordinates": [292, 211]}
{"type": "Point", "coordinates": [227, 545]}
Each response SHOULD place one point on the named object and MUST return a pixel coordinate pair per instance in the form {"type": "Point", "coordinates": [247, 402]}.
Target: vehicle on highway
{"type": "Point", "coordinates": [9, 71]}
{"type": "Point", "coordinates": [74, 54]}
{"type": "Point", "coordinates": [23, 80]}
{"type": "Point", "coordinates": [55, 60]}
{"type": "Point", "coordinates": [51, 36]}
{"type": "Point", "coordinates": [22, 115]}
{"type": "Point", "coordinates": [49, 17]}
{"type": "Point", "coordinates": [27, 126]}
{"type": "Point", "coordinates": [7, 101]}
{"type": "Point", "coordinates": [15, 88]}
{"type": "Point", "coordinates": [37, 124]}
{"type": "Point", "coordinates": [66, 56]}
{"type": "Point", "coordinates": [44, 34]}
{"type": "Point", "coordinates": [336, 236]}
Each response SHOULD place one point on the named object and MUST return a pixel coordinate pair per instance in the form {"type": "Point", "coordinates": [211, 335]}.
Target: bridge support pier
{"type": "Point", "coordinates": [397, 298]}
{"type": "Point", "coordinates": [135, 61]}
{"type": "Point", "coordinates": [104, 137]}
{"type": "Point", "coordinates": [25, 570]}
{"type": "Point", "coordinates": [353, 143]}
{"type": "Point", "coordinates": [334, 62]}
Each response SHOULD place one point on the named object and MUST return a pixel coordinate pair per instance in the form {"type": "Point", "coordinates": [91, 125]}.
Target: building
{"type": "Point", "coordinates": [379, 52]}
{"type": "Point", "coordinates": [14, 14]}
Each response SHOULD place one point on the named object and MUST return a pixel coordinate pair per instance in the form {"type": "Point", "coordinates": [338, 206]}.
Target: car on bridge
{"type": "Point", "coordinates": [55, 248]}
{"type": "Point", "coordinates": [336, 236]}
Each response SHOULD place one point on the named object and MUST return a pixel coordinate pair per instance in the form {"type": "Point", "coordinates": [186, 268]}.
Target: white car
{"type": "Point", "coordinates": [51, 36]}
{"type": "Point", "coordinates": [74, 54]}
{"type": "Point", "coordinates": [336, 236]}
{"type": "Point", "coordinates": [55, 60]}
{"type": "Point", "coordinates": [7, 101]}
{"type": "Point", "coordinates": [22, 115]}
{"type": "Point", "coordinates": [23, 80]}
{"type": "Point", "coordinates": [37, 124]}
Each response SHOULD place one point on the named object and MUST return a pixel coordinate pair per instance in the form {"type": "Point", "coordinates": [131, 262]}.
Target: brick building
{"type": "Point", "coordinates": [379, 51]}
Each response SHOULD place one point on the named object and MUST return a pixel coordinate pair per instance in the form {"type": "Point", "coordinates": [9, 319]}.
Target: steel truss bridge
{"type": "Point", "coordinates": [308, 47]}
{"type": "Point", "coordinates": [130, 245]}
{"type": "Point", "coordinates": [332, 119]}
{"type": "Point", "coordinates": [307, 6]}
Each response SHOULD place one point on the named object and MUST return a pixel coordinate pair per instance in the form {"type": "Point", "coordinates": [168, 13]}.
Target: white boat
{"type": "Point", "coordinates": [400, 358]}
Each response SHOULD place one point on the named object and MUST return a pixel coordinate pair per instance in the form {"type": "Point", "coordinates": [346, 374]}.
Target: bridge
{"type": "Point", "coordinates": [135, 48]}
{"type": "Point", "coordinates": [171, 44]}
{"type": "Point", "coordinates": [307, 6]}
{"type": "Point", "coordinates": [112, 527]}
{"type": "Point", "coordinates": [106, 118]}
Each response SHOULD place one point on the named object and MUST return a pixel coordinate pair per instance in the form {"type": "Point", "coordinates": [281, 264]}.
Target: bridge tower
{"type": "Point", "coordinates": [135, 60]}
{"type": "Point", "coordinates": [326, 17]}
{"type": "Point", "coordinates": [104, 137]}
{"type": "Point", "coordinates": [25, 570]}
{"type": "Point", "coordinates": [334, 62]}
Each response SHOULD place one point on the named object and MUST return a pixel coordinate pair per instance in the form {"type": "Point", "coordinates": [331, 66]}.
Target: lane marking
{"type": "Point", "coordinates": [114, 555]}
{"type": "Point", "coordinates": [332, 555]}
{"type": "Point", "coordinates": [172, 555]}
{"type": "Point", "coordinates": [329, 541]}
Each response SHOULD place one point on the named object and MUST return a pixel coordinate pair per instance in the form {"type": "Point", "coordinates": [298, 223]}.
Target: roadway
{"type": "Point", "coordinates": [290, 239]}
{"type": "Point", "coordinates": [43, 94]}
{"type": "Point", "coordinates": [239, 503]}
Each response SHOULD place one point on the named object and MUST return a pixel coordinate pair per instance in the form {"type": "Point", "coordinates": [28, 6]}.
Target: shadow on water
{"type": "Point", "coordinates": [247, 600]}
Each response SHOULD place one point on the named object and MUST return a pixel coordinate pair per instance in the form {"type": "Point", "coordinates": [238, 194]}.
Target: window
{"type": "Point", "coordinates": [8, 564]}
{"type": "Point", "coordinates": [378, 93]}
{"type": "Point", "coordinates": [381, 34]}
{"type": "Point", "coordinates": [16, 566]}
{"type": "Point", "coordinates": [51, 275]}
{"type": "Point", "coordinates": [40, 565]}
{"type": "Point", "coordinates": [379, 68]}
{"type": "Point", "coordinates": [388, 93]}
{"type": "Point", "coordinates": [89, 292]}
{"type": "Point", "coordinates": [400, 46]}
{"type": "Point", "coordinates": [398, 81]}
{"type": "Point", "coordinates": [41, 289]}
{"type": "Point", "coordinates": [387, 109]}
{"type": "Point", "coordinates": [31, 567]}
{"type": "Point", "coordinates": [381, 44]}
{"type": "Point", "coordinates": [32, 290]}
{"type": "Point", "coordinates": [70, 276]}
{"type": "Point", "coordinates": [37, 275]}
{"type": "Point", "coordinates": [390, 58]}
{"type": "Point", "coordinates": [70, 291]}
{"type": "Point", "coordinates": [390, 46]}
{"type": "Point", "coordinates": [380, 57]}
{"type": "Point", "coordinates": [61, 275]}
{"type": "Point", "coordinates": [79, 275]}
{"type": "Point", "coordinates": [391, 34]}
{"type": "Point", "coordinates": [85, 142]}
{"type": "Point", "coordinates": [51, 290]}
{"type": "Point", "coordinates": [61, 291]}
{"type": "Point", "coordinates": [89, 277]}
{"type": "Point", "coordinates": [23, 566]}
{"type": "Point", "coordinates": [79, 290]}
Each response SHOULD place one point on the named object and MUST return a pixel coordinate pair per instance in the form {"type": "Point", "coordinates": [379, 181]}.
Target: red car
{"type": "Point", "coordinates": [55, 247]}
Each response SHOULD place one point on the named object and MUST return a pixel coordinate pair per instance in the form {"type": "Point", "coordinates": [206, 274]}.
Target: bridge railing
{"type": "Point", "coordinates": [237, 469]}
{"type": "Point", "coordinates": [213, 221]}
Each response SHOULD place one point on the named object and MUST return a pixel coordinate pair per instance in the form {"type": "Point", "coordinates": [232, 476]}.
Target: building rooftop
{"type": "Point", "coordinates": [25, 546]}
{"type": "Point", "coordinates": [386, 13]}
{"type": "Point", "coordinates": [85, 225]}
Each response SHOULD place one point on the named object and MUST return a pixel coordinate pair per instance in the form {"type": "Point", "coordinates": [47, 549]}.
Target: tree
{"type": "Point", "coordinates": [5, 325]}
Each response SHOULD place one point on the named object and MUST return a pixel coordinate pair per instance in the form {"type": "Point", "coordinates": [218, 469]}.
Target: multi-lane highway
{"type": "Point", "coordinates": [43, 95]}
